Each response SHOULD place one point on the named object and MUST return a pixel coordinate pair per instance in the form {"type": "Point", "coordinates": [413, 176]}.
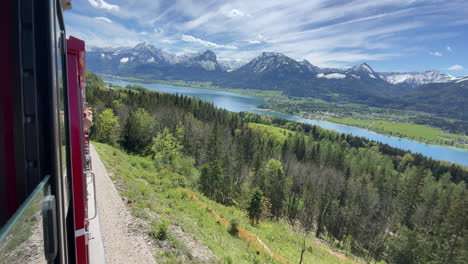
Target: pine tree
{"type": "Point", "coordinates": [410, 195]}
{"type": "Point", "coordinates": [138, 132]}
{"type": "Point", "coordinates": [254, 210]}
{"type": "Point", "coordinates": [455, 228]}
{"type": "Point", "coordinates": [276, 186]}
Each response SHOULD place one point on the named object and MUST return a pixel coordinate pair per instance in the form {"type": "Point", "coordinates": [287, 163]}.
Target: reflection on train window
{"type": "Point", "coordinates": [21, 239]}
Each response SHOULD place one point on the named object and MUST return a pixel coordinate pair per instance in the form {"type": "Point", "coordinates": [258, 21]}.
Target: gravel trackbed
{"type": "Point", "coordinates": [122, 242]}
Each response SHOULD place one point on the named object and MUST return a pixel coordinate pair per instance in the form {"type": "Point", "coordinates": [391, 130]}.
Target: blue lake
{"type": "Point", "coordinates": [241, 103]}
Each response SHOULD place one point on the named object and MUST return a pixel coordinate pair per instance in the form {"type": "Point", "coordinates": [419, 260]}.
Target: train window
{"type": "Point", "coordinates": [21, 238]}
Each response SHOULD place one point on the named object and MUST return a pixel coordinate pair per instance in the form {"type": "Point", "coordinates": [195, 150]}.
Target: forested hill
{"type": "Point", "coordinates": [382, 203]}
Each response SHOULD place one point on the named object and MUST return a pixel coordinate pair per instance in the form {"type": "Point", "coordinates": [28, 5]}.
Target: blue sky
{"type": "Point", "coordinates": [391, 35]}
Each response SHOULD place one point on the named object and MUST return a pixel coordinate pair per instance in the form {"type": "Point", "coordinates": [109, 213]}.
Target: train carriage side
{"type": "Point", "coordinates": [43, 155]}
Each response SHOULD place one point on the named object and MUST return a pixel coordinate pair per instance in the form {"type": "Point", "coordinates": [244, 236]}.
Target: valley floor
{"type": "Point", "coordinates": [184, 230]}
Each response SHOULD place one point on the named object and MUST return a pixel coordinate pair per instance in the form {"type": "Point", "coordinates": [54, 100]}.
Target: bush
{"type": "Point", "coordinates": [159, 231]}
{"type": "Point", "coordinates": [233, 228]}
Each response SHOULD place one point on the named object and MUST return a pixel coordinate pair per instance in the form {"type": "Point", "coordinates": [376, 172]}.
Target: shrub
{"type": "Point", "coordinates": [233, 228]}
{"type": "Point", "coordinates": [159, 231]}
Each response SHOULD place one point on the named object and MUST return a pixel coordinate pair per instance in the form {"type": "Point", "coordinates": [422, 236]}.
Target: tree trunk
{"type": "Point", "coordinates": [320, 219]}
{"type": "Point", "coordinates": [303, 247]}
{"type": "Point", "coordinates": [452, 249]}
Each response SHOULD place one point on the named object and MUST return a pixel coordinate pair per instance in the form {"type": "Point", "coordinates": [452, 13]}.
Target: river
{"type": "Point", "coordinates": [242, 103]}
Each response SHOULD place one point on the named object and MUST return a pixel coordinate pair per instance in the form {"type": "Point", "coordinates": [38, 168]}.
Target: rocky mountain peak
{"type": "Point", "coordinates": [362, 71]}
{"type": "Point", "coordinates": [206, 56]}
{"type": "Point", "coordinates": [309, 66]}
{"type": "Point", "coordinates": [363, 67]}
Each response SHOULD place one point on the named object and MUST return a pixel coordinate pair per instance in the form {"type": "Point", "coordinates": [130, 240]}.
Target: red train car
{"type": "Point", "coordinates": [44, 162]}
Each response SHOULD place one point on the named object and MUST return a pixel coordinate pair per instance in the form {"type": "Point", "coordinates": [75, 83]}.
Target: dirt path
{"type": "Point", "coordinates": [123, 243]}
{"type": "Point", "coordinates": [254, 240]}
{"type": "Point", "coordinates": [248, 237]}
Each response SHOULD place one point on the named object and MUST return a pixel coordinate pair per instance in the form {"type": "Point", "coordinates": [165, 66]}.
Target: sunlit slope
{"type": "Point", "coordinates": [158, 196]}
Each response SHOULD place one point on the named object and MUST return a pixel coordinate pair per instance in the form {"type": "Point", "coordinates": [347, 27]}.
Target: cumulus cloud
{"type": "Point", "coordinates": [103, 19]}
{"type": "Point", "coordinates": [449, 49]}
{"type": "Point", "coordinates": [435, 53]}
{"type": "Point", "coordinates": [192, 39]}
{"type": "Point", "coordinates": [456, 67]}
{"type": "Point", "coordinates": [103, 5]}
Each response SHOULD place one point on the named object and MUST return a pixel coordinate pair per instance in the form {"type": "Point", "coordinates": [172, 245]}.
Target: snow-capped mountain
{"type": "Point", "coordinates": [309, 66]}
{"type": "Point", "coordinates": [123, 56]}
{"type": "Point", "coordinates": [462, 79]}
{"type": "Point", "coordinates": [270, 61]}
{"type": "Point", "coordinates": [206, 61]}
{"type": "Point", "coordinates": [413, 79]}
{"type": "Point", "coordinates": [188, 56]}
{"type": "Point", "coordinates": [231, 64]}
{"type": "Point", "coordinates": [277, 63]}
{"type": "Point", "coordinates": [269, 71]}
{"type": "Point", "coordinates": [363, 72]}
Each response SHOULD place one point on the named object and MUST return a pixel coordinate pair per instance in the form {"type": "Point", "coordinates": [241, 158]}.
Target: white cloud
{"type": "Point", "coordinates": [192, 39]}
{"type": "Point", "coordinates": [336, 34]}
{"type": "Point", "coordinates": [103, 5]}
{"type": "Point", "coordinates": [109, 34]}
{"type": "Point", "coordinates": [449, 49]}
{"type": "Point", "coordinates": [103, 19]}
{"type": "Point", "coordinates": [456, 67]}
{"type": "Point", "coordinates": [235, 13]}
{"type": "Point", "coordinates": [435, 53]}
{"type": "Point", "coordinates": [167, 40]}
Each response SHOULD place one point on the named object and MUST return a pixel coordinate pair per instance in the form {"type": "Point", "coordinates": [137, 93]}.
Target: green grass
{"type": "Point", "coordinates": [417, 132]}
{"type": "Point", "coordinates": [163, 193]}
{"type": "Point", "coordinates": [276, 133]}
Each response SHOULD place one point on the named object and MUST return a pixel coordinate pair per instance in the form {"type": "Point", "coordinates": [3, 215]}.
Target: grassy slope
{"type": "Point", "coordinates": [276, 133]}
{"type": "Point", "coordinates": [407, 130]}
{"type": "Point", "coordinates": [417, 132]}
{"type": "Point", "coordinates": [161, 192]}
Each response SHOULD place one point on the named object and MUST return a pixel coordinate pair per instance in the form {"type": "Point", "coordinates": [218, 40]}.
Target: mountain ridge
{"type": "Point", "coordinates": [405, 80]}
{"type": "Point", "coordinates": [359, 84]}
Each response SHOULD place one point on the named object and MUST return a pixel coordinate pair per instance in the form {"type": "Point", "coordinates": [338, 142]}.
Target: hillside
{"type": "Point", "coordinates": [284, 181]}
{"type": "Point", "coordinates": [448, 99]}
{"type": "Point", "coordinates": [158, 200]}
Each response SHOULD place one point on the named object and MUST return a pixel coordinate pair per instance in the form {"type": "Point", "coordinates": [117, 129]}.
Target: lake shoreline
{"type": "Point", "coordinates": [246, 92]}
{"type": "Point", "coordinates": [236, 102]}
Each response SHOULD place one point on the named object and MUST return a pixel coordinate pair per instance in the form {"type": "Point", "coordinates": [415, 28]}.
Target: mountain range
{"type": "Point", "coordinates": [276, 71]}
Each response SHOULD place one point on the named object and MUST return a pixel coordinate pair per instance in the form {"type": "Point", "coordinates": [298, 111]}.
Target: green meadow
{"type": "Point", "coordinates": [417, 132]}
